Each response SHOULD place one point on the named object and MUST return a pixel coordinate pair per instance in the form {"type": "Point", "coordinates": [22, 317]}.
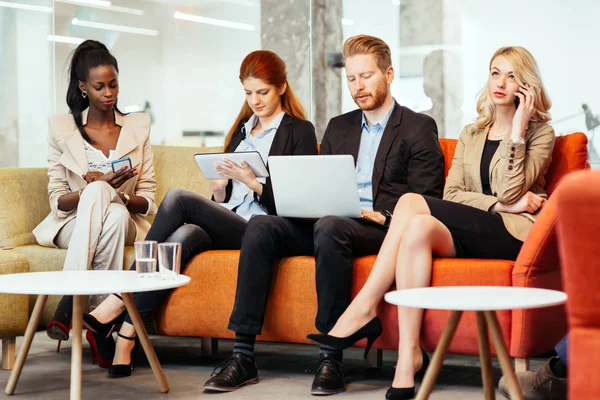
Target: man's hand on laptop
{"type": "Point", "coordinates": [374, 215]}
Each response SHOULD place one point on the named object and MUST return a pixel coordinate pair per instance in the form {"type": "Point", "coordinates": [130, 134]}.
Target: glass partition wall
{"type": "Point", "coordinates": [179, 59]}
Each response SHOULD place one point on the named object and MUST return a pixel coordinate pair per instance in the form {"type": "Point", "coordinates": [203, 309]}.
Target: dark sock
{"type": "Point", "coordinates": [244, 344]}
{"type": "Point", "coordinates": [558, 367]}
{"type": "Point", "coordinates": [330, 353]}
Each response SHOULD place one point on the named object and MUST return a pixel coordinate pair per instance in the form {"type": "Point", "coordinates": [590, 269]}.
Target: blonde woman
{"type": "Point", "coordinates": [492, 193]}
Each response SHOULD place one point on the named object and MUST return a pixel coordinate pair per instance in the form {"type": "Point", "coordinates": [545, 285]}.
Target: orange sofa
{"type": "Point", "coordinates": [578, 225]}
{"type": "Point", "coordinates": [202, 308]}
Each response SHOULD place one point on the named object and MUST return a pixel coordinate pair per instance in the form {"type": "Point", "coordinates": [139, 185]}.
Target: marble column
{"type": "Point", "coordinates": [430, 46]}
{"type": "Point", "coordinates": [286, 30]}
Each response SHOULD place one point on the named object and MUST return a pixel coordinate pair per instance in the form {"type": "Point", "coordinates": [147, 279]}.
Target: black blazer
{"type": "Point", "coordinates": [293, 137]}
{"type": "Point", "coordinates": [409, 157]}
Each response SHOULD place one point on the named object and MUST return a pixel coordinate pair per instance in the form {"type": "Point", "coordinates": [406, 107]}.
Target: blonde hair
{"type": "Point", "coordinates": [526, 70]}
{"type": "Point", "coordinates": [365, 44]}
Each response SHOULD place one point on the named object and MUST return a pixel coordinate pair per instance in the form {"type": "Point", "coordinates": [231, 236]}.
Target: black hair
{"type": "Point", "coordinates": [87, 55]}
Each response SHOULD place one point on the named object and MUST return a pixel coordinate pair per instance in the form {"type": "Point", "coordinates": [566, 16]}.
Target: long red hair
{"type": "Point", "coordinates": [270, 68]}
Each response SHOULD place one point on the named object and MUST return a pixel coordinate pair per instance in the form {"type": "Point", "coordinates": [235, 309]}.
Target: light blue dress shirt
{"type": "Point", "coordinates": [370, 138]}
{"type": "Point", "coordinates": [241, 196]}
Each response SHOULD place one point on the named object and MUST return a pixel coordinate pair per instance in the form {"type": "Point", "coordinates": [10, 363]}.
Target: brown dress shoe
{"type": "Point", "coordinates": [540, 385]}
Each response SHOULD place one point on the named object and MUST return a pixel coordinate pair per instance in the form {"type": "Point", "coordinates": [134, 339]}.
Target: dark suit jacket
{"type": "Point", "coordinates": [293, 137]}
{"type": "Point", "coordinates": [409, 158]}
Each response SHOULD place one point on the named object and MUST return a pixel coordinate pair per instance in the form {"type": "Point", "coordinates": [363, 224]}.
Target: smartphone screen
{"type": "Point", "coordinates": [118, 164]}
{"type": "Point", "coordinates": [517, 101]}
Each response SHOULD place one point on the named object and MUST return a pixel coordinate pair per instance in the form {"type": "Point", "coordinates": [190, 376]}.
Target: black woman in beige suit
{"type": "Point", "coordinates": [94, 211]}
{"type": "Point", "coordinates": [493, 191]}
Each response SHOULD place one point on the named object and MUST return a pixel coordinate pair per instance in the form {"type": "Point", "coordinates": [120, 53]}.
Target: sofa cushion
{"type": "Point", "coordinates": [23, 204]}
{"type": "Point", "coordinates": [202, 308]}
{"type": "Point", "coordinates": [13, 307]}
{"type": "Point", "coordinates": [570, 154]}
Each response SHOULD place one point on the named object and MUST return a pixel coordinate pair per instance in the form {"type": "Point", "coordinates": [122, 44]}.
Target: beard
{"type": "Point", "coordinates": [374, 100]}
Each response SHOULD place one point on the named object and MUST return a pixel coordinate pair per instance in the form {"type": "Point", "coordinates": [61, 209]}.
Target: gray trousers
{"type": "Point", "coordinates": [97, 237]}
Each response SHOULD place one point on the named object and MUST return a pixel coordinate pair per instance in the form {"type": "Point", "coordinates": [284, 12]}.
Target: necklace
{"type": "Point", "coordinates": [493, 135]}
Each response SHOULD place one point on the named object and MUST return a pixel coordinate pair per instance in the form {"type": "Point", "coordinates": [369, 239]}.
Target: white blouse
{"type": "Point", "coordinates": [96, 159]}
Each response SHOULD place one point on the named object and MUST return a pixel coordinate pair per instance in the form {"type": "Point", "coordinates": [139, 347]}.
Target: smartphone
{"type": "Point", "coordinates": [118, 164]}
{"type": "Point", "coordinates": [516, 101]}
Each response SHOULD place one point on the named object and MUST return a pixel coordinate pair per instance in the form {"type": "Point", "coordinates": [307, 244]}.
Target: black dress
{"type": "Point", "coordinates": [477, 233]}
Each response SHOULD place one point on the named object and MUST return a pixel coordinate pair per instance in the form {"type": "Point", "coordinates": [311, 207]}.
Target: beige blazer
{"type": "Point", "coordinates": [67, 162]}
{"type": "Point", "coordinates": [515, 169]}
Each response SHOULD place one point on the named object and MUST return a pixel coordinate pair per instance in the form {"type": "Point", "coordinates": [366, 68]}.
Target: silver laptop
{"type": "Point", "coordinates": [314, 186]}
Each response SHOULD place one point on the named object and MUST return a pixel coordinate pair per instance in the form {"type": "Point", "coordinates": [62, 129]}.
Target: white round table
{"type": "Point", "coordinates": [485, 300]}
{"type": "Point", "coordinates": [78, 284]}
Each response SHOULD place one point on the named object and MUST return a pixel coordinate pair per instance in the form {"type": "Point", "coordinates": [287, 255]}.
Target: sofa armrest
{"type": "Point", "coordinates": [14, 308]}
{"type": "Point", "coordinates": [578, 224]}
{"type": "Point", "coordinates": [536, 331]}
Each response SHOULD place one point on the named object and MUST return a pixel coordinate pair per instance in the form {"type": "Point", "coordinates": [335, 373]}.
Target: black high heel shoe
{"type": "Point", "coordinates": [409, 393]}
{"type": "Point", "coordinates": [124, 370]}
{"type": "Point", "coordinates": [60, 325]}
{"type": "Point", "coordinates": [103, 348]}
{"type": "Point", "coordinates": [91, 323]}
{"type": "Point", "coordinates": [371, 331]}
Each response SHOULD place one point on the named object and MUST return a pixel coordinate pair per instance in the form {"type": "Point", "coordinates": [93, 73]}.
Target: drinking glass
{"type": "Point", "coordinates": [169, 260]}
{"type": "Point", "coordinates": [145, 258]}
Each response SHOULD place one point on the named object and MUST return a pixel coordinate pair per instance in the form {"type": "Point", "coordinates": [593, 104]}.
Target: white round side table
{"type": "Point", "coordinates": [78, 284]}
{"type": "Point", "coordinates": [485, 300]}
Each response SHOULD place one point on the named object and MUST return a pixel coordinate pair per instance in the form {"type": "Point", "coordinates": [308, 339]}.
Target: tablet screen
{"type": "Point", "coordinates": [206, 163]}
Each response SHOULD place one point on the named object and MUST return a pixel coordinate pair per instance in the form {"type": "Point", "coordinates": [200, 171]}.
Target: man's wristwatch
{"type": "Point", "coordinates": [388, 217]}
{"type": "Point", "coordinates": [126, 197]}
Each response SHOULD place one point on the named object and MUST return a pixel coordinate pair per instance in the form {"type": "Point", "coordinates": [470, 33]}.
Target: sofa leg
{"type": "Point", "coordinates": [9, 351]}
{"type": "Point", "coordinates": [209, 346]}
{"type": "Point", "coordinates": [521, 364]}
{"type": "Point", "coordinates": [374, 358]}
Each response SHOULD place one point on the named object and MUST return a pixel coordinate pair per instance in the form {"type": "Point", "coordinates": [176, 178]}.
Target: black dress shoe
{"type": "Point", "coordinates": [235, 372]}
{"type": "Point", "coordinates": [330, 378]}
{"type": "Point", "coordinates": [371, 331]}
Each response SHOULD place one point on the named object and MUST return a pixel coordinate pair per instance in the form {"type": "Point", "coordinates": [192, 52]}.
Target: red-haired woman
{"type": "Point", "coordinates": [272, 121]}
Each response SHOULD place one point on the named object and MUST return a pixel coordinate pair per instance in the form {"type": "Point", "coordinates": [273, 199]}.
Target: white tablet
{"type": "Point", "coordinates": [207, 162]}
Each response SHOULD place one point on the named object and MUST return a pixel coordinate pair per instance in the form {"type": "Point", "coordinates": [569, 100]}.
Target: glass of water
{"type": "Point", "coordinates": [169, 260]}
{"type": "Point", "coordinates": [145, 258]}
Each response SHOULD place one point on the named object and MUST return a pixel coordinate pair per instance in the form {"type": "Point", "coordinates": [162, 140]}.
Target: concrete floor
{"type": "Point", "coordinates": [282, 374]}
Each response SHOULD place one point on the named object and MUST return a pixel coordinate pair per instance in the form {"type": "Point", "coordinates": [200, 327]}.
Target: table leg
{"type": "Point", "coordinates": [77, 321]}
{"type": "Point", "coordinates": [505, 363]}
{"type": "Point", "coordinates": [34, 320]}
{"type": "Point", "coordinates": [485, 358]}
{"type": "Point", "coordinates": [438, 356]}
{"type": "Point", "coordinates": [146, 344]}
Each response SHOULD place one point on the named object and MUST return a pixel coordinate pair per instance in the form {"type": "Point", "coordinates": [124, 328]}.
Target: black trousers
{"type": "Point", "coordinates": [334, 241]}
{"type": "Point", "coordinates": [199, 225]}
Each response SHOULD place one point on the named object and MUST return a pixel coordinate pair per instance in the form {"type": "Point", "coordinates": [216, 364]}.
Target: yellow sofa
{"type": "Point", "coordinates": [24, 203]}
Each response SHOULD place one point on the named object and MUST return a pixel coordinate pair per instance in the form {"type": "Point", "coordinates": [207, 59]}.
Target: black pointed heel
{"type": "Point", "coordinates": [409, 393]}
{"type": "Point", "coordinates": [124, 370]}
{"type": "Point", "coordinates": [400, 393]}
{"type": "Point", "coordinates": [371, 331]}
{"type": "Point", "coordinates": [91, 323]}
{"type": "Point", "coordinates": [421, 373]}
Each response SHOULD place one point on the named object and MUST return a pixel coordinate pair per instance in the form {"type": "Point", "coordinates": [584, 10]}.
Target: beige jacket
{"type": "Point", "coordinates": [67, 162]}
{"type": "Point", "coordinates": [515, 169]}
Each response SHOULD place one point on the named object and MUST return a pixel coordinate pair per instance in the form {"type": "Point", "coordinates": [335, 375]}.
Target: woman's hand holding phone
{"type": "Point", "coordinates": [525, 110]}
{"type": "Point", "coordinates": [116, 179]}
